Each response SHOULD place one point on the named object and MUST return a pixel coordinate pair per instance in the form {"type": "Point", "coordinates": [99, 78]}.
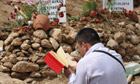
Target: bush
{"type": "Point", "coordinates": [88, 7]}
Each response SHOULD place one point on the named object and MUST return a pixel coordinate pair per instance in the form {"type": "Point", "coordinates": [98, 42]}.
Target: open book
{"type": "Point", "coordinates": [57, 61]}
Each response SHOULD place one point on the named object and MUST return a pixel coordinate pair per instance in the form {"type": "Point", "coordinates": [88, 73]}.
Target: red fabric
{"type": "Point", "coordinates": [53, 63]}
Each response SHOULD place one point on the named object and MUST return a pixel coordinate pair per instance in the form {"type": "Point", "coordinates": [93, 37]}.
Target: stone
{"type": "Point", "coordinates": [120, 37]}
{"type": "Point", "coordinates": [6, 79]}
{"type": "Point", "coordinates": [33, 58]}
{"type": "Point", "coordinates": [19, 75]}
{"type": "Point", "coordinates": [45, 43]}
{"type": "Point", "coordinates": [137, 26]}
{"type": "Point", "coordinates": [40, 34]}
{"type": "Point", "coordinates": [30, 50]}
{"type": "Point", "coordinates": [14, 35]}
{"type": "Point", "coordinates": [124, 45]}
{"type": "Point", "coordinates": [41, 61]}
{"type": "Point", "coordinates": [8, 40]}
{"type": "Point", "coordinates": [15, 51]}
{"type": "Point", "coordinates": [9, 59]}
{"type": "Point", "coordinates": [8, 64]}
{"type": "Point", "coordinates": [20, 54]}
{"type": "Point", "coordinates": [48, 73]}
{"type": "Point", "coordinates": [56, 34]}
{"type": "Point", "coordinates": [25, 46]}
{"type": "Point", "coordinates": [135, 39]}
{"type": "Point", "coordinates": [35, 74]}
{"type": "Point", "coordinates": [36, 40]}
{"type": "Point", "coordinates": [71, 36]}
{"type": "Point", "coordinates": [28, 80]}
{"type": "Point", "coordinates": [9, 48]}
{"type": "Point", "coordinates": [4, 69]}
{"type": "Point", "coordinates": [24, 66]}
{"type": "Point", "coordinates": [35, 45]}
{"type": "Point", "coordinates": [54, 43]}
{"type": "Point", "coordinates": [26, 42]}
{"type": "Point", "coordinates": [75, 54]}
{"type": "Point", "coordinates": [112, 43]}
{"type": "Point", "coordinates": [137, 49]}
{"type": "Point", "coordinates": [67, 48]}
{"type": "Point", "coordinates": [130, 27]}
{"type": "Point", "coordinates": [25, 37]}
{"type": "Point", "coordinates": [16, 42]}
{"type": "Point", "coordinates": [121, 51]}
{"type": "Point", "coordinates": [121, 23]}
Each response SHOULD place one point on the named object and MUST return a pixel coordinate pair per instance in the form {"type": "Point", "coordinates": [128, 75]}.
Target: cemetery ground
{"type": "Point", "coordinates": [106, 28]}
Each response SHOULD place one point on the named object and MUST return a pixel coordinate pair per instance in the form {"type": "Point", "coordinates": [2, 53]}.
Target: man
{"type": "Point", "coordinates": [95, 67]}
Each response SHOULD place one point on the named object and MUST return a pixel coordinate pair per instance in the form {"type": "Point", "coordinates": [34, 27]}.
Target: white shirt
{"type": "Point", "coordinates": [99, 68]}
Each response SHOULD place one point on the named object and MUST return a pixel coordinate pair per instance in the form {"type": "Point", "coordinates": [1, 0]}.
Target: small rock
{"type": "Point", "coordinates": [130, 27]}
{"type": "Point", "coordinates": [45, 43]}
{"type": "Point", "coordinates": [124, 45]}
{"type": "Point", "coordinates": [54, 43]}
{"type": "Point", "coordinates": [137, 26]}
{"type": "Point", "coordinates": [14, 35]}
{"type": "Point", "coordinates": [40, 62]}
{"type": "Point", "coordinates": [56, 34]}
{"type": "Point", "coordinates": [120, 37]}
{"type": "Point", "coordinates": [33, 58]}
{"type": "Point", "coordinates": [26, 42]}
{"type": "Point", "coordinates": [25, 37]}
{"type": "Point", "coordinates": [19, 75]}
{"type": "Point", "coordinates": [35, 74]}
{"type": "Point", "coordinates": [4, 69]}
{"type": "Point", "coordinates": [48, 73]}
{"type": "Point", "coordinates": [8, 64]}
{"type": "Point", "coordinates": [35, 45]}
{"type": "Point", "coordinates": [37, 40]}
{"type": "Point", "coordinates": [9, 48]}
{"type": "Point", "coordinates": [16, 42]}
{"type": "Point", "coordinates": [135, 39]}
{"type": "Point", "coordinates": [28, 80]}
{"type": "Point", "coordinates": [75, 54]}
{"type": "Point", "coordinates": [112, 43]}
{"type": "Point", "coordinates": [25, 46]}
{"type": "Point", "coordinates": [8, 40]}
{"type": "Point", "coordinates": [67, 48]}
{"type": "Point", "coordinates": [121, 23]}
{"type": "Point", "coordinates": [40, 34]}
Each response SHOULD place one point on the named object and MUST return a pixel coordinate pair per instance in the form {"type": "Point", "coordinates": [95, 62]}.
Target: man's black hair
{"type": "Point", "coordinates": [87, 35]}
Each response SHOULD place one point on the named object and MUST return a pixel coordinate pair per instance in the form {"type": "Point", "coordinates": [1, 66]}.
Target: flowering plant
{"type": "Point", "coordinates": [27, 10]}
{"type": "Point", "coordinates": [110, 3]}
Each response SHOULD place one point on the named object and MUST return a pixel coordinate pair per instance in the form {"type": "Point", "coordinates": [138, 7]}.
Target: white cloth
{"type": "Point", "coordinates": [99, 68]}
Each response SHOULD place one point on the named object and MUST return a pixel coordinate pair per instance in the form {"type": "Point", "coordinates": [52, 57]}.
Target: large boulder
{"type": "Point", "coordinates": [24, 66]}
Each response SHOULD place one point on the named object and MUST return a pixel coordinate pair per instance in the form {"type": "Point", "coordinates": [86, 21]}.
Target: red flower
{"type": "Point", "coordinates": [25, 29]}
{"type": "Point", "coordinates": [28, 26]}
{"type": "Point", "coordinates": [15, 30]}
{"type": "Point", "coordinates": [18, 8]}
{"type": "Point", "coordinates": [105, 8]}
{"type": "Point", "coordinates": [53, 24]}
{"type": "Point", "coordinates": [61, 14]}
{"type": "Point", "coordinates": [81, 19]}
{"type": "Point", "coordinates": [91, 15]}
{"type": "Point", "coordinates": [19, 2]}
{"type": "Point", "coordinates": [20, 29]}
{"type": "Point", "coordinates": [95, 12]}
{"type": "Point", "coordinates": [57, 20]}
{"type": "Point", "coordinates": [100, 11]}
{"type": "Point", "coordinates": [61, 4]}
{"type": "Point", "coordinates": [84, 18]}
{"type": "Point", "coordinates": [15, 10]}
{"type": "Point", "coordinates": [8, 18]}
{"type": "Point", "coordinates": [97, 20]}
{"type": "Point", "coordinates": [91, 21]}
{"type": "Point", "coordinates": [124, 10]}
{"type": "Point", "coordinates": [34, 17]}
{"type": "Point", "coordinates": [11, 13]}
{"type": "Point", "coordinates": [108, 0]}
{"type": "Point", "coordinates": [58, 9]}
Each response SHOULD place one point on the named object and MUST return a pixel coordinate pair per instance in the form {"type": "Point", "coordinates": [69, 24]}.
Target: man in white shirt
{"type": "Point", "coordinates": [95, 67]}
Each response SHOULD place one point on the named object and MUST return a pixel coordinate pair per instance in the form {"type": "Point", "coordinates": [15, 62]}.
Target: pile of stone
{"type": "Point", "coordinates": [24, 52]}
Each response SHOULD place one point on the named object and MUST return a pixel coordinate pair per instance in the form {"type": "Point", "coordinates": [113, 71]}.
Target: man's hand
{"type": "Point", "coordinates": [68, 71]}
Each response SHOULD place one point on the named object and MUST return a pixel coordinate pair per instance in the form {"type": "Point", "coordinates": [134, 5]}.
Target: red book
{"type": "Point", "coordinates": [57, 61]}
